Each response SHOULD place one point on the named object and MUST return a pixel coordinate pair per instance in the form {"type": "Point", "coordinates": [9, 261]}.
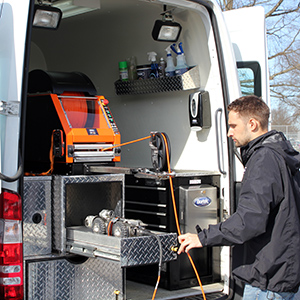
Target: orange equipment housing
{"type": "Point", "coordinates": [70, 123]}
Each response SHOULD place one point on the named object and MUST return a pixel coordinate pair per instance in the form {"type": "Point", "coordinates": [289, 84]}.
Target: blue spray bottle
{"type": "Point", "coordinates": [154, 65]}
{"type": "Point", "coordinates": [181, 66]}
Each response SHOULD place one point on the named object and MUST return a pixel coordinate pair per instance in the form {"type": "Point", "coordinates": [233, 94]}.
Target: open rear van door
{"type": "Point", "coordinates": [13, 29]}
{"type": "Point", "coordinates": [247, 30]}
{"type": "Point", "coordinates": [246, 27]}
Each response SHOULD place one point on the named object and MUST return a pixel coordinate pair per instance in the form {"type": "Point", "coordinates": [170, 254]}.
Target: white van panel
{"type": "Point", "coordinates": [13, 26]}
{"type": "Point", "coordinates": [249, 39]}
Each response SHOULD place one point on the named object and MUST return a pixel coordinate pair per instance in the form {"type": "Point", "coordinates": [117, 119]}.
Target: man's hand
{"type": "Point", "coordinates": [188, 241]}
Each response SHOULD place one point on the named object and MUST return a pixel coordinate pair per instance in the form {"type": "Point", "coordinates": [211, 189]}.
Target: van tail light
{"type": "Point", "coordinates": [11, 247]}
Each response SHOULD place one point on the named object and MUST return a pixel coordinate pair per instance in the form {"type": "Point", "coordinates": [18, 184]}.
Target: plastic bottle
{"type": "Point", "coordinates": [161, 68]}
{"type": "Point", "coordinates": [132, 73]}
{"type": "Point", "coordinates": [123, 69]}
{"type": "Point", "coordinates": [170, 69]}
{"type": "Point", "coordinates": [181, 66]}
{"type": "Point", "coordinates": [154, 65]}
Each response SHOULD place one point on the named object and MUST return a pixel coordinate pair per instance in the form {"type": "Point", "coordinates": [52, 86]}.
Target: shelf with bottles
{"type": "Point", "coordinates": [187, 81]}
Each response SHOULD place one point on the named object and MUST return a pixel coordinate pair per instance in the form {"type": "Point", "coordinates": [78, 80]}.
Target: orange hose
{"type": "Point", "coordinates": [176, 216]}
{"type": "Point", "coordinates": [156, 287]}
{"type": "Point", "coordinates": [127, 143]}
{"type": "Point", "coordinates": [109, 228]}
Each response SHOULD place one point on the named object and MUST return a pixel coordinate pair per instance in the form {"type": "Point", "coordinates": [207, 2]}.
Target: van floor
{"type": "Point", "coordinates": [139, 291]}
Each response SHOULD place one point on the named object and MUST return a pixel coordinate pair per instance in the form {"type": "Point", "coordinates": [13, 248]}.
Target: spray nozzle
{"type": "Point", "coordinates": [180, 47]}
{"type": "Point", "coordinates": [168, 49]}
{"type": "Point", "coordinates": [152, 56]}
{"type": "Point", "coordinates": [179, 50]}
{"type": "Point", "coordinates": [172, 46]}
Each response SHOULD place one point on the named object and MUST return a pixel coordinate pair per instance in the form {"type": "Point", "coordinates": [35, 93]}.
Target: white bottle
{"type": "Point", "coordinates": [170, 69]}
{"type": "Point", "coordinates": [181, 66]}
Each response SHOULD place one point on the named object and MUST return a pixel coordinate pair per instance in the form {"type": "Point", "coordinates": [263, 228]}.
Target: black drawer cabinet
{"type": "Point", "coordinates": [150, 201]}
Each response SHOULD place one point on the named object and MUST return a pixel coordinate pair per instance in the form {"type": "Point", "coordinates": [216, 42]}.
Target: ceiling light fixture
{"type": "Point", "coordinates": [46, 17]}
{"type": "Point", "coordinates": [166, 30]}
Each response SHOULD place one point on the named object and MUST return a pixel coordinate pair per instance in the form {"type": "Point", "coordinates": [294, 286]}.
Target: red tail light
{"type": "Point", "coordinates": [10, 205]}
{"type": "Point", "coordinates": [11, 247]}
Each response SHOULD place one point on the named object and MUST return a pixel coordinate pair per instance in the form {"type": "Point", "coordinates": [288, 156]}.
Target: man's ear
{"type": "Point", "coordinates": [254, 125]}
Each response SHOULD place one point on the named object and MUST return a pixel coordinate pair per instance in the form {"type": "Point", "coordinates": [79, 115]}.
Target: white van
{"type": "Point", "coordinates": [79, 110]}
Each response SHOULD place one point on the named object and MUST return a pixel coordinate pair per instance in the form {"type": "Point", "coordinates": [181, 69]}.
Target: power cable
{"type": "Point", "coordinates": [176, 216]}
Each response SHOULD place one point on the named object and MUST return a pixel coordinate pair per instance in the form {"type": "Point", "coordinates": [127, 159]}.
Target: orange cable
{"type": "Point", "coordinates": [176, 216]}
{"type": "Point", "coordinates": [109, 228]}
{"type": "Point", "coordinates": [127, 143]}
{"type": "Point", "coordinates": [156, 287]}
{"type": "Point", "coordinates": [197, 275]}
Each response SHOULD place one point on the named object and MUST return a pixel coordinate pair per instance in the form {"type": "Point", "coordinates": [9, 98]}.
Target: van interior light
{"type": "Point", "coordinates": [166, 30]}
{"type": "Point", "coordinates": [46, 17]}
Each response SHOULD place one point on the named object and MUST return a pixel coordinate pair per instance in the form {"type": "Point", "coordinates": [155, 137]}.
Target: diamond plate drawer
{"type": "Point", "coordinates": [130, 251]}
{"type": "Point", "coordinates": [59, 279]}
{"type": "Point", "coordinates": [37, 215]}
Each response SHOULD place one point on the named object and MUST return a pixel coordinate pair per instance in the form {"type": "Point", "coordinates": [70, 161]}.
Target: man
{"type": "Point", "coordinates": [266, 222]}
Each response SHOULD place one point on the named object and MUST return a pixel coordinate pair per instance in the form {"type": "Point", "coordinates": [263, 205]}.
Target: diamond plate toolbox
{"type": "Point", "coordinates": [37, 216]}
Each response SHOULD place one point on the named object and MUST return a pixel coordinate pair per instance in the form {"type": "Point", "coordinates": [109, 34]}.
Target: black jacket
{"type": "Point", "coordinates": [267, 219]}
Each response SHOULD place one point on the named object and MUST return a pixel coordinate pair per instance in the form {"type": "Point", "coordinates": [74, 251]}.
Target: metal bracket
{"type": "Point", "coordinates": [10, 108]}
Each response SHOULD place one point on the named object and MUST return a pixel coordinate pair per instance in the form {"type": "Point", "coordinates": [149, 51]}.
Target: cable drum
{"type": "Point", "coordinates": [159, 151]}
{"type": "Point", "coordinates": [81, 112]}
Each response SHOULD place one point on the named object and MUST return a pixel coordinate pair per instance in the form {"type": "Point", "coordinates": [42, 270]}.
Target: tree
{"type": "Point", "coordinates": [283, 34]}
{"type": "Point", "coordinates": [282, 121]}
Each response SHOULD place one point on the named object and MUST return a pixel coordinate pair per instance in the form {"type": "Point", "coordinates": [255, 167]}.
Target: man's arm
{"type": "Point", "coordinates": [261, 191]}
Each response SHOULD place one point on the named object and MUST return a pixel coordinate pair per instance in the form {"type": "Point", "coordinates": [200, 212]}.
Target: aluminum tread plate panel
{"type": "Point", "coordinates": [61, 280]}
{"type": "Point", "coordinates": [144, 250]}
{"type": "Point", "coordinates": [37, 216]}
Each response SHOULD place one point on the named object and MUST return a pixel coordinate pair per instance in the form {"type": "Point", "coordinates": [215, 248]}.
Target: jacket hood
{"type": "Point", "coordinates": [278, 142]}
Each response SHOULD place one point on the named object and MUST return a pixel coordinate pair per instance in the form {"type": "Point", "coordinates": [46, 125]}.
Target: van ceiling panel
{"type": "Point", "coordinates": [106, 6]}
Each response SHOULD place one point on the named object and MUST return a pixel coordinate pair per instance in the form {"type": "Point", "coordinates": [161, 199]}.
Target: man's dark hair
{"type": "Point", "coordinates": [252, 107]}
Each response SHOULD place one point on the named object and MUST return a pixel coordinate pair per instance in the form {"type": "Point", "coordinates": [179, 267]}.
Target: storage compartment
{"type": "Point", "coordinates": [151, 200]}
{"type": "Point", "coordinates": [76, 197]}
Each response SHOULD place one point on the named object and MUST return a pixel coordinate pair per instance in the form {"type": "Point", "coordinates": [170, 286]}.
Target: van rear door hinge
{"type": "Point", "coordinates": [10, 108]}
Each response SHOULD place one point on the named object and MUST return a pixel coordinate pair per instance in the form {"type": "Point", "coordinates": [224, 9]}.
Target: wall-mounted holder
{"type": "Point", "coordinates": [187, 81]}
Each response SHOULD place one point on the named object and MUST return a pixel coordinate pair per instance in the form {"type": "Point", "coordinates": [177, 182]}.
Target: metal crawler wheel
{"type": "Point", "coordinates": [99, 226]}
{"type": "Point", "coordinates": [120, 229]}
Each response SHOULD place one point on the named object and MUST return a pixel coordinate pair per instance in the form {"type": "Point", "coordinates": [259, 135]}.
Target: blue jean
{"type": "Point", "coordinates": [254, 293]}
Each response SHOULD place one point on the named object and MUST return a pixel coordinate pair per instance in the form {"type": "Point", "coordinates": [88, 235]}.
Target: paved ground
{"type": "Point", "coordinates": [138, 291]}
